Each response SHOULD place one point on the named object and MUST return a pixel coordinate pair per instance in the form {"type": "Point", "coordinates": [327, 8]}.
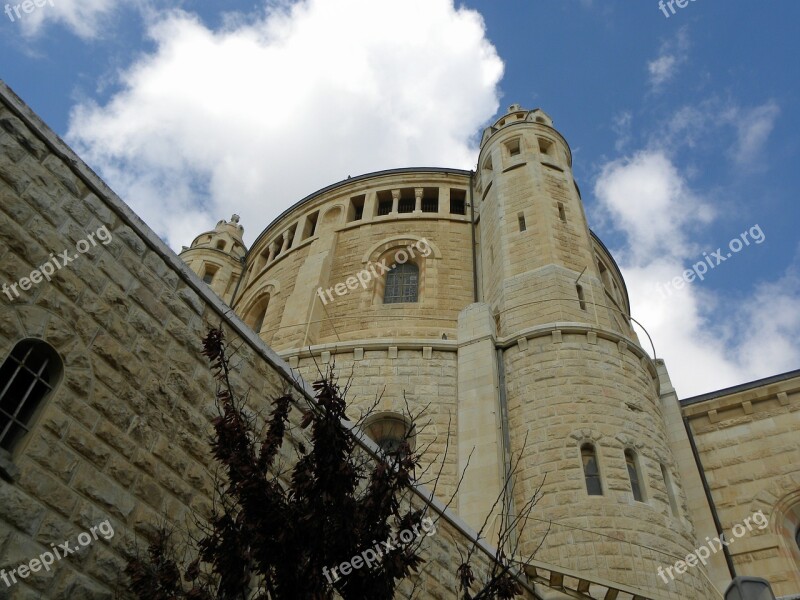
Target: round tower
{"type": "Point", "coordinates": [579, 397]}
{"type": "Point", "coordinates": [216, 256]}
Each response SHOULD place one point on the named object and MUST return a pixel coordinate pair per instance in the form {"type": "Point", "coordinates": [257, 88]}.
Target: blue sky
{"type": "Point", "coordinates": [683, 128]}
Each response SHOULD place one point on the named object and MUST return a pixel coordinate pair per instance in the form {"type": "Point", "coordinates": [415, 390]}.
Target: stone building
{"type": "Point", "coordinates": [482, 297]}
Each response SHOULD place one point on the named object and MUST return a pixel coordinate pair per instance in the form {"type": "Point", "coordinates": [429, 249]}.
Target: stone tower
{"type": "Point", "coordinates": [574, 381]}
{"type": "Point", "coordinates": [216, 256]}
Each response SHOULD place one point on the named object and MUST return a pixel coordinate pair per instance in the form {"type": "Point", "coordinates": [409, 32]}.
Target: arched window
{"type": "Point", "coordinates": [591, 470]}
{"type": "Point", "coordinates": [402, 284]}
{"type": "Point", "coordinates": [257, 314]}
{"type": "Point", "coordinates": [27, 377]}
{"type": "Point", "coordinates": [633, 475]}
{"type": "Point", "coordinates": [797, 537]}
{"type": "Point", "coordinates": [389, 431]}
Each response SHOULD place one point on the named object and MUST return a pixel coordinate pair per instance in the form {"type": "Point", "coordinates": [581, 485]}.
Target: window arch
{"type": "Point", "coordinates": [27, 378]}
{"type": "Point", "coordinates": [402, 284]}
{"type": "Point", "coordinates": [591, 470]}
{"type": "Point", "coordinates": [257, 314]}
{"type": "Point", "coordinates": [390, 431]}
{"type": "Point", "coordinates": [634, 475]}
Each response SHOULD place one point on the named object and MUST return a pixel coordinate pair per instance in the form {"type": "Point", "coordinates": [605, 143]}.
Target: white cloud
{"type": "Point", "coordinates": [255, 116]}
{"type": "Point", "coordinates": [84, 18]}
{"type": "Point", "coordinates": [721, 126]}
{"type": "Point", "coordinates": [622, 129]}
{"type": "Point", "coordinates": [652, 204]}
{"type": "Point", "coordinates": [709, 341]}
{"type": "Point", "coordinates": [671, 56]}
{"type": "Point", "coordinates": [754, 127]}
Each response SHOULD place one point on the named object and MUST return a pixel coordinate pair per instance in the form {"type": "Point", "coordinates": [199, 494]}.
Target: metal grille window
{"type": "Point", "coordinates": [591, 470]}
{"type": "Point", "coordinates": [402, 284]}
{"type": "Point", "coordinates": [406, 205]}
{"type": "Point", "coordinates": [384, 207]}
{"type": "Point", "coordinates": [27, 377]}
{"type": "Point", "coordinates": [430, 205]}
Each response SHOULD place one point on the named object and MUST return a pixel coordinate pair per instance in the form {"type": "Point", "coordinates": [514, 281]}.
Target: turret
{"type": "Point", "coordinates": [216, 256]}
{"type": "Point", "coordinates": [578, 397]}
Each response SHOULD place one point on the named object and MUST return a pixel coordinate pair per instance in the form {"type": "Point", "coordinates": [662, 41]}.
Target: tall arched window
{"type": "Point", "coordinates": [257, 314]}
{"type": "Point", "coordinates": [633, 475]}
{"type": "Point", "coordinates": [27, 377]}
{"type": "Point", "coordinates": [591, 470]}
{"type": "Point", "coordinates": [402, 284]}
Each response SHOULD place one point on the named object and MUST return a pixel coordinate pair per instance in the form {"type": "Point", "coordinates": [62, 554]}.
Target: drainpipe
{"type": "Point", "coordinates": [474, 257]}
{"type": "Point", "coordinates": [707, 490]}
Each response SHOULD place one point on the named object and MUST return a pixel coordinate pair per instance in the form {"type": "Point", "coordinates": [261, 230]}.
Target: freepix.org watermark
{"type": "Point", "coordinates": [28, 6]}
{"type": "Point", "coordinates": [48, 269]}
{"type": "Point", "coordinates": [699, 269]}
{"type": "Point", "coordinates": [703, 553]}
{"type": "Point", "coordinates": [48, 557]}
{"type": "Point", "coordinates": [371, 556]}
{"type": "Point", "coordinates": [663, 4]}
{"type": "Point", "coordinates": [376, 270]}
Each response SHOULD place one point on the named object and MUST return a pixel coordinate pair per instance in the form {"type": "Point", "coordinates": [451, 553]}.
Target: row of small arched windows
{"type": "Point", "coordinates": [594, 481]}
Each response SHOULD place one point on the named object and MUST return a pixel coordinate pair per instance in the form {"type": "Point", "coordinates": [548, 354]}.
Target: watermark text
{"type": "Point", "coordinates": [48, 269]}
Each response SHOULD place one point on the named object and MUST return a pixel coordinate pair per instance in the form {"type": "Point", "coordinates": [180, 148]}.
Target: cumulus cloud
{"type": "Point", "coordinates": [648, 199]}
{"type": "Point", "coordinates": [709, 341]}
{"type": "Point", "coordinates": [671, 56]}
{"type": "Point", "coordinates": [254, 116]}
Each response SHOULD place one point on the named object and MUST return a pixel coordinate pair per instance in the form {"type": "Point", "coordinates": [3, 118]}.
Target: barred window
{"type": "Point", "coordinates": [591, 470]}
{"type": "Point", "coordinates": [402, 284]}
{"type": "Point", "coordinates": [27, 377]}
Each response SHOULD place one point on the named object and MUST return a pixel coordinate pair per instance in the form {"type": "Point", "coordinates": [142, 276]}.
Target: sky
{"type": "Point", "coordinates": [681, 120]}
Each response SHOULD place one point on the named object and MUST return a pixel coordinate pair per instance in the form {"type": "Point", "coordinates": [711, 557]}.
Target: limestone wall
{"type": "Point", "coordinates": [749, 446]}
